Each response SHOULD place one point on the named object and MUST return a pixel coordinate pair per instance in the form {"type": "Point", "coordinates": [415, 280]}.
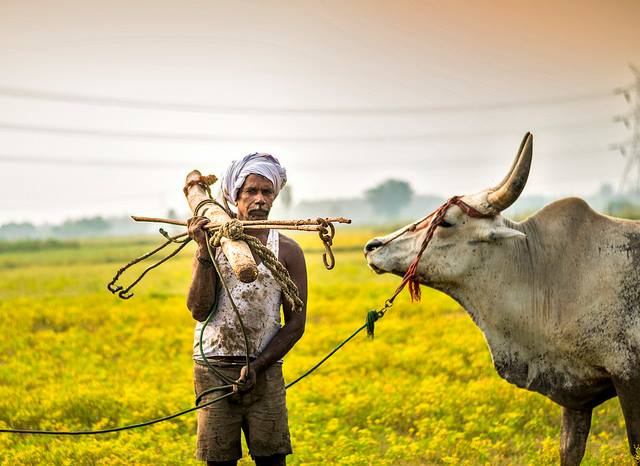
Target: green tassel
{"type": "Point", "coordinates": [372, 316]}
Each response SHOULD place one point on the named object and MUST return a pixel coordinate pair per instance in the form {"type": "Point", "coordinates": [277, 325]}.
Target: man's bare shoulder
{"type": "Point", "coordinates": [289, 248]}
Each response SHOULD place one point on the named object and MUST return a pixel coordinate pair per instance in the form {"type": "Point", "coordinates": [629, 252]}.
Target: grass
{"type": "Point", "coordinates": [424, 391]}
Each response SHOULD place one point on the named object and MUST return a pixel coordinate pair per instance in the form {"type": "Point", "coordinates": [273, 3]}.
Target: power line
{"type": "Point", "coordinates": [154, 165]}
{"type": "Point", "coordinates": [53, 96]}
{"type": "Point", "coordinates": [71, 161]}
{"type": "Point", "coordinates": [221, 138]}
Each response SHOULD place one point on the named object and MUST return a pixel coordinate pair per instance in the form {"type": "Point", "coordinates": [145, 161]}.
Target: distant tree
{"type": "Point", "coordinates": [623, 208]}
{"type": "Point", "coordinates": [606, 190]}
{"type": "Point", "coordinates": [93, 226]}
{"type": "Point", "coordinates": [13, 231]}
{"type": "Point", "coordinates": [389, 197]}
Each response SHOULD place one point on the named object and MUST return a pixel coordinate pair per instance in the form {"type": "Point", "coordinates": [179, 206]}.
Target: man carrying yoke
{"type": "Point", "coordinates": [259, 406]}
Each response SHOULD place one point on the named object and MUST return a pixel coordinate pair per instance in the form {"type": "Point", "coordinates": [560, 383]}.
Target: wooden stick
{"type": "Point", "coordinates": [309, 221]}
{"type": "Point", "coordinates": [273, 227]}
{"type": "Point", "coordinates": [170, 221]}
{"type": "Point", "coordinates": [237, 252]}
{"type": "Point", "coordinates": [267, 223]}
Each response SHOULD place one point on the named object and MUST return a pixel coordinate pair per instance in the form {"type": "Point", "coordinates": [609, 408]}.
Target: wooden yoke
{"type": "Point", "coordinates": [237, 252]}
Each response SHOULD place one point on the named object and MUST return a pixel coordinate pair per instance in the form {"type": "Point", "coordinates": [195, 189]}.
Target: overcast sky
{"type": "Point", "coordinates": [105, 106]}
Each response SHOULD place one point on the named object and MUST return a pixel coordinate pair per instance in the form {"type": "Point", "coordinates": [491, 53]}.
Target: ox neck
{"type": "Point", "coordinates": [514, 297]}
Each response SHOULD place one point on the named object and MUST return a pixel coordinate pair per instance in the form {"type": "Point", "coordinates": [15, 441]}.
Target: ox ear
{"type": "Point", "coordinates": [498, 233]}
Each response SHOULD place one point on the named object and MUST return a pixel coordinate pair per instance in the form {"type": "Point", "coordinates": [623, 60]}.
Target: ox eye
{"type": "Point", "coordinates": [445, 224]}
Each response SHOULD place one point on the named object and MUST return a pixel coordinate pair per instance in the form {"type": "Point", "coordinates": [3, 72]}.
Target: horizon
{"type": "Point", "coordinates": [602, 200]}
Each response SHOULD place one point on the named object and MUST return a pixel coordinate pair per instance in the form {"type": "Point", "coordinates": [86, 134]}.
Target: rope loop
{"type": "Point", "coordinates": [205, 181]}
{"type": "Point", "coordinates": [201, 204]}
{"type": "Point", "coordinates": [233, 230]}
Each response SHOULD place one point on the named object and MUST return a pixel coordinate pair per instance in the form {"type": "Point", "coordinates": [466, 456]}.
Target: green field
{"type": "Point", "coordinates": [424, 391]}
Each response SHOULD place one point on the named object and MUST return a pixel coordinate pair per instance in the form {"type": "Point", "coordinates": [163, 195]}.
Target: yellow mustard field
{"type": "Point", "coordinates": [424, 391]}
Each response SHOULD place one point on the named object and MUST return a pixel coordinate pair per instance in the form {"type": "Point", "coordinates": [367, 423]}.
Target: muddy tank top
{"type": "Point", "coordinates": [258, 304]}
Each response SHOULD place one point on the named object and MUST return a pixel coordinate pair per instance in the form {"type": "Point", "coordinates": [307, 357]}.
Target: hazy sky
{"type": "Point", "coordinates": [105, 106]}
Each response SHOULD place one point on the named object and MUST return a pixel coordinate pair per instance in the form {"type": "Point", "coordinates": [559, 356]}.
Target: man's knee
{"type": "Point", "coordinates": [273, 460]}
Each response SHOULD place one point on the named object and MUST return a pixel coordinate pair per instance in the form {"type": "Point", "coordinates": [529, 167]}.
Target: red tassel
{"type": "Point", "coordinates": [414, 290]}
{"type": "Point", "coordinates": [412, 280]}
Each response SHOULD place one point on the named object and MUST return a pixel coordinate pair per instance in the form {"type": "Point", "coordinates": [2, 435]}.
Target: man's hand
{"type": "Point", "coordinates": [195, 228]}
{"type": "Point", "coordinates": [246, 381]}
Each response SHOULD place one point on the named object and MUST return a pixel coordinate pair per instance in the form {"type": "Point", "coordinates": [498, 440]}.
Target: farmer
{"type": "Point", "coordinates": [258, 407]}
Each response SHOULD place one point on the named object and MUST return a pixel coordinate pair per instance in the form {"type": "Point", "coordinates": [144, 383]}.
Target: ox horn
{"type": "Point", "coordinates": [506, 193]}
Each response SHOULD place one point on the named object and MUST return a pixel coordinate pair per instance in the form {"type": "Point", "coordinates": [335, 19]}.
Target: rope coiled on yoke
{"type": "Point", "coordinates": [234, 230]}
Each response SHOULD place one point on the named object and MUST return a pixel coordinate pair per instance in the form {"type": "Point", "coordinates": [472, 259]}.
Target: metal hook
{"type": "Point", "coordinates": [327, 240]}
{"type": "Point", "coordinates": [122, 293]}
{"type": "Point", "coordinates": [332, 261]}
{"type": "Point", "coordinates": [113, 287]}
{"type": "Point", "coordinates": [173, 239]}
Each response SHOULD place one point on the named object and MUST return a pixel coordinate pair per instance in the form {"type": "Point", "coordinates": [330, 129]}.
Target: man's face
{"type": "Point", "coordinates": [255, 198]}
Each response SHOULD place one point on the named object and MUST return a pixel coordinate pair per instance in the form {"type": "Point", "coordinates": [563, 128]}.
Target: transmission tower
{"type": "Point", "coordinates": [631, 148]}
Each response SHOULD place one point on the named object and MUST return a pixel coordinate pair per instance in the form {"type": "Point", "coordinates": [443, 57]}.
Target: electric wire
{"type": "Point", "coordinates": [226, 138]}
{"type": "Point", "coordinates": [104, 101]}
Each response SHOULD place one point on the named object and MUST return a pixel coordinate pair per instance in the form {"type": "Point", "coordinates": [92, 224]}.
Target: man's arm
{"type": "Point", "coordinates": [202, 292]}
{"type": "Point", "coordinates": [292, 257]}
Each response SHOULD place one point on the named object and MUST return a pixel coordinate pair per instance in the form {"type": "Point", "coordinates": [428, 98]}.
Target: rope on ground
{"type": "Point", "coordinates": [380, 313]}
{"type": "Point", "coordinates": [116, 429]}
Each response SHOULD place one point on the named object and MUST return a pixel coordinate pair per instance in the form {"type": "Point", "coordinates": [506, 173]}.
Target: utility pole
{"type": "Point", "coordinates": [631, 149]}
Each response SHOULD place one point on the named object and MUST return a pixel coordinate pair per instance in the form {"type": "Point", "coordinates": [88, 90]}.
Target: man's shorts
{"type": "Point", "coordinates": [260, 413]}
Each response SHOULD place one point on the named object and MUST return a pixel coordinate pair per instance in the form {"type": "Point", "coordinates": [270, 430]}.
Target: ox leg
{"type": "Point", "coordinates": [573, 440]}
{"type": "Point", "coordinates": [628, 391]}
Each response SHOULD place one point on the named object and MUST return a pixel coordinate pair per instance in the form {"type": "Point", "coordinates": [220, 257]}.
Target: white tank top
{"type": "Point", "coordinates": [258, 304]}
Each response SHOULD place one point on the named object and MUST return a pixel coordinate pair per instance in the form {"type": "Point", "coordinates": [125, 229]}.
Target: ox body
{"type": "Point", "coordinates": [557, 296]}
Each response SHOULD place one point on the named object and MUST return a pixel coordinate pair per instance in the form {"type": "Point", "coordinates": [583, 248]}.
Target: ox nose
{"type": "Point", "coordinates": [371, 245]}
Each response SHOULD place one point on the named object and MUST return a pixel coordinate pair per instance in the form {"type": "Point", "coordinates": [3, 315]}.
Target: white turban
{"type": "Point", "coordinates": [253, 164]}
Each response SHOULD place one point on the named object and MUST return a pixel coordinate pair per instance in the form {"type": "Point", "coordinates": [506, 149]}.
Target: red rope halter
{"type": "Point", "coordinates": [437, 217]}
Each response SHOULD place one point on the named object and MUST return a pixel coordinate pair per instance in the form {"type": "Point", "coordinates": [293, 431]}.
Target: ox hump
{"type": "Point", "coordinates": [569, 206]}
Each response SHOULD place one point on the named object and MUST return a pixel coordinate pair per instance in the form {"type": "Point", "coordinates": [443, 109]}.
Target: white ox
{"type": "Point", "coordinates": [557, 296]}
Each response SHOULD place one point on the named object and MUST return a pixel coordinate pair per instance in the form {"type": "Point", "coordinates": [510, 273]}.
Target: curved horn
{"type": "Point", "coordinates": [506, 193]}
